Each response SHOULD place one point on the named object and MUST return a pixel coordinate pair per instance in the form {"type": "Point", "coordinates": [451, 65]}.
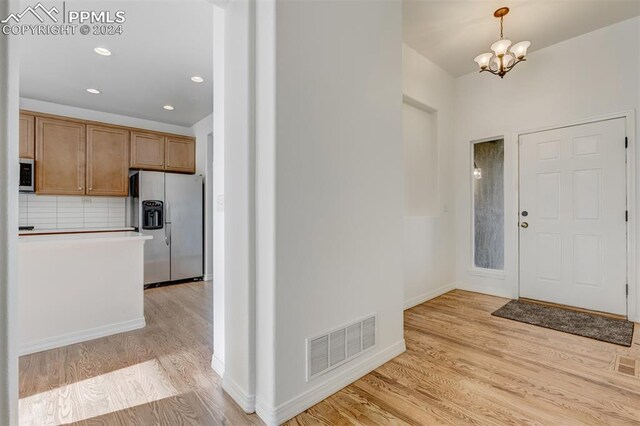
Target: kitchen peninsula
{"type": "Point", "coordinates": [79, 286]}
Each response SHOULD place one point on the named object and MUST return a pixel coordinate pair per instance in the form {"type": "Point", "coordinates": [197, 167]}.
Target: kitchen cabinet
{"type": "Point", "coordinates": [27, 136]}
{"type": "Point", "coordinates": [180, 155]}
{"type": "Point", "coordinates": [155, 151]}
{"type": "Point", "coordinates": [81, 157]}
{"type": "Point", "coordinates": [107, 161]}
{"type": "Point", "coordinates": [60, 156]}
{"type": "Point", "coordinates": [147, 151]}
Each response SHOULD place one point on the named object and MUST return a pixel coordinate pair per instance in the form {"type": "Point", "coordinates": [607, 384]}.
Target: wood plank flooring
{"type": "Point", "coordinates": [463, 366]}
{"type": "Point", "coordinates": [159, 375]}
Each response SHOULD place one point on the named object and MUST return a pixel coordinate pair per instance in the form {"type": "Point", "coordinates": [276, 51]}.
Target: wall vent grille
{"type": "Point", "coordinates": [336, 347]}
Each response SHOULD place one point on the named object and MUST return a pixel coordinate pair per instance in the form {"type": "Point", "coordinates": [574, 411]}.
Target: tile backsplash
{"type": "Point", "coordinates": [58, 212]}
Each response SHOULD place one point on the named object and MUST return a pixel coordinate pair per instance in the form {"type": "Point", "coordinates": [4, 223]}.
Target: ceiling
{"type": "Point", "coordinates": [451, 33]}
{"type": "Point", "coordinates": [164, 44]}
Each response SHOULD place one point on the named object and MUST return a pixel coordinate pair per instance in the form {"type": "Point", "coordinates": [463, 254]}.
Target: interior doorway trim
{"type": "Point", "coordinates": [630, 129]}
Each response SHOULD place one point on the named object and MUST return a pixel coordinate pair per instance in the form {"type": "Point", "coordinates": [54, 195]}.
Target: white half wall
{"type": "Point", "coordinates": [588, 76]}
{"type": "Point", "coordinates": [329, 107]}
{"type": "Point", "coordinates": [429, 250]}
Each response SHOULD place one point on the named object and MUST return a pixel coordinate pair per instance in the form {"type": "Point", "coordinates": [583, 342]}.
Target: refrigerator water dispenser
{"type": "Point", "coordinates": [152, 214]}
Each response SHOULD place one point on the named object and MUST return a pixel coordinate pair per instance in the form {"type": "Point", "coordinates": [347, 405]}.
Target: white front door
{"type": "Point", "coordinates": [573, 231]}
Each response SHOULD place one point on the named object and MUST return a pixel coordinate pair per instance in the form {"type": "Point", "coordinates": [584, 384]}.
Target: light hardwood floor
{"type": "Point", "coordinates": [464, 366]}
{"type": "Point", "coordinates": [159, 375]}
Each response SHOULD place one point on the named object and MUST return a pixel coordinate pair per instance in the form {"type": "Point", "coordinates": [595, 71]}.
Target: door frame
{"type": "Point", "coordinates": [630, 129]}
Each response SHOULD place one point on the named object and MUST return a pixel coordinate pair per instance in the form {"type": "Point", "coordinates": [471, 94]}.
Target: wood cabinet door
{"type": "Point", "coordinates": [107, 161]}
{"type": "Point", "coordinates": [147, 151]}
{"type": "Point", "coordinates": [60, 157]}
{"type": "Point", "coordinates": [27, 136]}
{"type": "Point", "coordinates": [180, 155]}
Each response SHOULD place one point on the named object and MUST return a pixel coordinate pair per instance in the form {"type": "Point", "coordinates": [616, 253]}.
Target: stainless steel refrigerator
{"type": "Point", "coordinates": [168, 206]}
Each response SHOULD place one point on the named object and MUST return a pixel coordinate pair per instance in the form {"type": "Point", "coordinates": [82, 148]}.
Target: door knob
{"type": "Point", "coordinates": [524, 224]}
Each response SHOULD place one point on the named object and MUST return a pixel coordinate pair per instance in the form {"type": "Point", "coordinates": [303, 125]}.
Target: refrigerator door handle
{"type": "Point", "coordinates": [167, 212]}
{"type": "Point", "coordinates": [167, 234]}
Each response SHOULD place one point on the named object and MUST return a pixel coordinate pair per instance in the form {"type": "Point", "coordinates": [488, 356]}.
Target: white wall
{"type": "Point", "coordinates": [429, 251]}
{"type": "Point", "coordinates": [336, 195]}
{"type": "Point", "coordinates": [219, 30]}
{"type": "Point", "coordinates": [591, 75]}
{"type": "Point", "coordinates": [239, 131]}
{"type": "Point", "coordinates": [265, 209]}
{"type": "Point", "coordinates": [202, 131]}
{"type": "Point", "coordinates": [103, 117]}
{"type": "Point", "coordinates": [9, 89]}
{"type": "Point", "coordinates": [421, 194]}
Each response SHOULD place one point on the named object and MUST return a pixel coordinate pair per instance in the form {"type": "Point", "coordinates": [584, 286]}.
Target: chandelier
{"type": "Point", "coordinates": [504, 56]}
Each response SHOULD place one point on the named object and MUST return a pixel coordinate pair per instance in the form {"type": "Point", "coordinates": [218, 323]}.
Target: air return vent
{"type": "Point", "coordinates": [336, 347]}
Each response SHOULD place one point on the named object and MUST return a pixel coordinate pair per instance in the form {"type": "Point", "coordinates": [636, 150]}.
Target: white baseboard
{"type": "Point", "coordinates": [207, 277]}
{"type": "Point", "coordinates": [414, 301]}
{"type": "Point", "coordinates": [217, 365]}
{"type": "Point", "coordinates": [491, 291]}
{"type": "Point", "coordinates": [81, 336]}
{"type": "Point", "coordinates": [311, 397]}
{"type": "Point", "coordinates": [240, 396]}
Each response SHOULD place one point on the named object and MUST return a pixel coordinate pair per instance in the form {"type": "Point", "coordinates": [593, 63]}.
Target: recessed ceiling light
{"type": "Point", "coordinates": [168, 107]}
{"type": "Point", "coordinates": [94, 91]}
{"type": "Point", "coordinates": [102, 51]}
{"type": "Point", "coordinates": [197, 79]}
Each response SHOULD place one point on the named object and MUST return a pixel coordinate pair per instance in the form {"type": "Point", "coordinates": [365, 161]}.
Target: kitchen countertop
{"type": "Point", "coordinates": [72, 231]}
{"type": "Point", "coordinates": [83, 237]}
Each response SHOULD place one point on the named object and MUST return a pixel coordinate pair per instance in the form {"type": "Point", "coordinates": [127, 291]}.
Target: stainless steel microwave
{"type": "Point", "coordinates": [27, 181]}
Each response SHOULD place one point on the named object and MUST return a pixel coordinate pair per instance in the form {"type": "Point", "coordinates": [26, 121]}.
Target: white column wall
{"type": "Point", "coordinates": [9, 100]}
{"type": "Point", "coordinates": [239, 375]}
{"type": "Point", "coordinates": [329, 192]}
{"type": "Point", "coordinates": [218, 189]}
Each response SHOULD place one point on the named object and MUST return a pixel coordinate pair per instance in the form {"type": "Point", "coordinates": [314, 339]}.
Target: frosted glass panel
{"type": "Point", "coordinates": [488, 204]}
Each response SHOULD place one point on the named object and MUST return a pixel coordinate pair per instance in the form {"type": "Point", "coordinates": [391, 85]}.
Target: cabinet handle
{"type": "Point", "coordinates": [79, 188]}
{"type": "Point", "coordinates": [90, 189]}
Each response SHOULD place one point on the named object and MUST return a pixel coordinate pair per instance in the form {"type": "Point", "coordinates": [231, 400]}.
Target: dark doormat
{"type": "Point", "coordinates": [617, 331]}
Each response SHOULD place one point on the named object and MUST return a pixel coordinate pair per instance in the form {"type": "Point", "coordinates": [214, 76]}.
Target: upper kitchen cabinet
{"type": "Point", "coordinates": [60, 156]}
{"type": "Point", "coordinates": [27, 136]}
{"type": "Point", "coordinates": [180, 155]}
{"type": "Point", "coordinates": [147, 151]}
{"type": "Point", "coordinates": [107, 161]}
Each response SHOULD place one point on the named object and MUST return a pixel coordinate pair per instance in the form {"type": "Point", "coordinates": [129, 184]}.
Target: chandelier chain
{"type": "Point", "coordinates": [501, 28]}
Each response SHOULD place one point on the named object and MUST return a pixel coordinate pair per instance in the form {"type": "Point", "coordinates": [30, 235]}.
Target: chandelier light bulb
{"type": "Point", "coordinates": [520, 49]}
{"type": "Point", "coordinates": [500, 47]}
{"type": "Point", "coordinates": [483, 60]}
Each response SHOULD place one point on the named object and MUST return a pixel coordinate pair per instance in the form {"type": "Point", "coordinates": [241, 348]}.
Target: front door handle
{"type": "Point", "coordinates": [524, 224]}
